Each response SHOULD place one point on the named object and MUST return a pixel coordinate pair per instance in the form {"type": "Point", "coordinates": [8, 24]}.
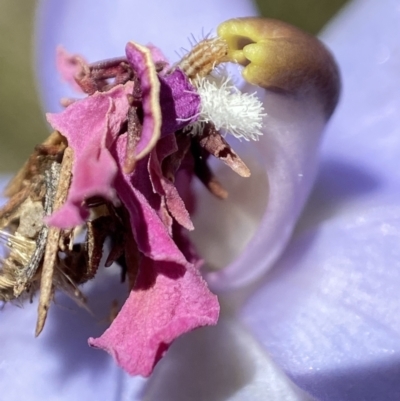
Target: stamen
{"type": "Point", "coordinates": [203, 58]}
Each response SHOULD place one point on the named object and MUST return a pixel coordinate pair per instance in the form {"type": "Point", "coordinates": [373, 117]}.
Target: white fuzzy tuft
{"type": "Point", "coordinates": [230, 110]}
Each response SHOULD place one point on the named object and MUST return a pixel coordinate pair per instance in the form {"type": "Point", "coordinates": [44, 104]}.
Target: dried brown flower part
{"type": "Point", "coordinates": [22, 228]}
{"type": "Point", "coordinates": [204, 172]}
{"type": "Point", "coordinates": [59, 195]}
{"type": "Point", "coordinates": [214, 143]}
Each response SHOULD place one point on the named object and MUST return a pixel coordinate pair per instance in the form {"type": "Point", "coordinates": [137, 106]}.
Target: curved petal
{"type": "Point", "coordinates": [364, 132]}
{"type": "Point", "coordinates": [329, 311]}
{"type": "Point", "coordinates": [102, 31]}
{"type": "Point", "coordinates": [256, 221]}
{"type": "Point", "coordinates": [305, 88]}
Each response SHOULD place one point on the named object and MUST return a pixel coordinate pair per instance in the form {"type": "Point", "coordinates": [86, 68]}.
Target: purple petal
{"type": "Point", "coordinates": [365, 130]}
{"type": "Point", "coordinates": [29, 363]}
{"type": "Point", "coordinates": [180, 103]}
{"type": "Point", "coordinates": [329, 312]}
{"type": "Point", "coordinates": [256, 221]}
{"type": "Point", "coordinates": [220, 363]}
{"type": "Point", "coordinates": [100, 32]}
{"type": "Point", "coordinates": [292, 133]}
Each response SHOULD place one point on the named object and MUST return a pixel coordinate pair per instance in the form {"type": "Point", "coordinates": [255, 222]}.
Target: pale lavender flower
{"type": "Point", "coordinates": [327, 313]}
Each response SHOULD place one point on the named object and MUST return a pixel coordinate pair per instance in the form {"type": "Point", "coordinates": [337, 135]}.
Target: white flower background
{"type": "Point", "coordinates": [320, 323]}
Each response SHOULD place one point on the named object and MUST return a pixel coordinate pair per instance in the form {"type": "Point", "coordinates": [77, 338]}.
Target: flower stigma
{"type": "Point", "coordinates": [229, 109]}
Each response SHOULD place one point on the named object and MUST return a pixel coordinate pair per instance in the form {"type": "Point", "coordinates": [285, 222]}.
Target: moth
{"type": "Point", "coordinates": [49, 258]}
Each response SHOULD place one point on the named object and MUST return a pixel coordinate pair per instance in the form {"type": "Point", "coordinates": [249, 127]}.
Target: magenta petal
{"type": "Point", "coordinates": [180, 103]}
{"type": "Point", "coordinates": [136, 192]}
{"type": "Point", "coordinates": [169, 297]}
{"type": "Point", "coordinates": [141, 61]}
{"type": "Point", "coordinates": [168, 300]}
{"type": "Point", "coordinates": [90, 125]}
{"type": "Point", "coordinates": [92, 176]}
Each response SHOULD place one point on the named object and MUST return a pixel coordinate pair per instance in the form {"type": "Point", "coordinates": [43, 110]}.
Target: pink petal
{"type": "Point", "coordinates": [169, 297]}
{"type": "Point", "coordinates": [137, 194]}
{"type": "Point", "coordinates": [90, 125]}
{"type": "Point", "coordinates": [69, 65]}
{"type": "Point", "coordinates": [167, 301]}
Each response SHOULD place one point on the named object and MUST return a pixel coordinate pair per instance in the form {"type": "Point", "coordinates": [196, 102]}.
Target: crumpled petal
{"type": "Point", "coordinates": [167, 301]}
{"type": "Point", "coordinates": [136, 193]}
{"type": "Point", "coordinates": [329, 312]}
{"type": "Point", "coordinates": [68, 65]}
{"type": "Point", "coordinates": [90, 126]}
{"type": "Point", "coordinates": [169, 103]}
{"type": "Point", "coordinates": [169, 297]}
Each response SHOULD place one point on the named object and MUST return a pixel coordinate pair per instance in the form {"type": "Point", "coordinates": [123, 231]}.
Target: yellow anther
{"type": "Point", "coordinates": [280, 57]}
